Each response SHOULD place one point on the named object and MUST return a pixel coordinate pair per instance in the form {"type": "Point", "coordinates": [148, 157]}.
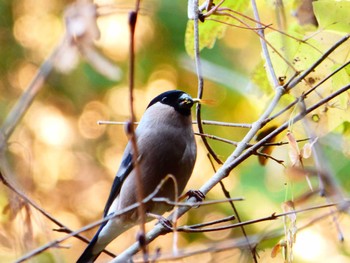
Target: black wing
{"type": "Point", "coordinates": [124, 170]}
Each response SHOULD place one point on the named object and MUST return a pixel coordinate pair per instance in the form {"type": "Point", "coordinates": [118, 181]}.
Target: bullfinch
{"type": "Point", "coordinates": [166, 146]}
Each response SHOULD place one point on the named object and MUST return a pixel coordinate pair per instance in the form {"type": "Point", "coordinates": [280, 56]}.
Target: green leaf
{"type": "Point", "coordinates": [340, 80]}
{"type": "Point", "coordinates": [289, 52]}
{"type": "Point", "coordinates": [260, 78]}
{"type": "Point", "coordinates": [333, 15]}
{"type": "Point", "coordinates": [209, 30]}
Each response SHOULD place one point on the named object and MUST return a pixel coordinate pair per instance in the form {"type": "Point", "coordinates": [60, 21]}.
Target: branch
{"type": "Point", "coordinates": [131, 131]}
{"type": "Point", "coordinates": [323, 57]}
{"type": "Point", "coordinates": [233, 161]}
{"type": "Point", "coordinates": [24, 102]}
{"type": "Point", "coordinates": [241, 241]}
{"type": "Point", "coordinates": [200, 80]}
{"type": "Point", "coordinates": [264, 46]}
{"type": "Point", "coordinates": [63, 228]}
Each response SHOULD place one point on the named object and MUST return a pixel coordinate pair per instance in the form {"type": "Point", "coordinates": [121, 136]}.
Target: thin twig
{"type": "Point", "coordinates": [200, 81]}
{"type": "Point", "coordinates": [214, 222]}
{"type": "Point", "coordinates": [131, 132]}
{"type": "Point", "coordinates": [267, 156]}
{"type": "Point", "coordinates": [63, 228]}
{"type": "Point", "coordinates": [225, 124]}
{"type": "Point", "coordinates": [204, 122]}
{"type": "Point", "coordinates": [262, 37]}
{"type": "Point", "coordinates": [195, 204]}
{"type": "Point", "coordinates": [264, 47]}
{"type": "Point", "coordinates": [56, 242]}
{"type": "Point", "coordinates": [223, 172]}
{"type": "Point", "coordinates": [24, 102]}
{"type": "Point", "coordinates": [235, 211]}
{"type": "Point", "coordinates": [317, 62]}
{"type": "Point", "coordinates": [236, 242]}
{"type": "Point", "coordinates": [217, 138]}
{"type": "Point", "coordinates": [306, 93]}
{"type": "Point", "coordinates": [273, 216]}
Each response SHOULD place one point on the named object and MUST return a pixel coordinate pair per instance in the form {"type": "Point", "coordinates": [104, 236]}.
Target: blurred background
{"type": "Point", "coordinates": [65, 162]}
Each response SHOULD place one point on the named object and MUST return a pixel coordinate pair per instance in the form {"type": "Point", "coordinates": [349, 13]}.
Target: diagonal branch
{"type": "Point", "coordinates": [237, 157]}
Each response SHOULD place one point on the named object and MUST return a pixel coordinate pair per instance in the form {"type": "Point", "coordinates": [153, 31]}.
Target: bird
{"type": "Point", "coordinates": [166, 145]}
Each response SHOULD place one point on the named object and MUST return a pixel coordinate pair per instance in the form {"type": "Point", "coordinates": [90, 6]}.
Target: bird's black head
{"type": "Point", "coordinates": [181, 101]}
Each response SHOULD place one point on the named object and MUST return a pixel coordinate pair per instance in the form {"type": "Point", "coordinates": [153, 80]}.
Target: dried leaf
{"type": "Point", "coordinates": [290, 228]}
{"type": "Point", "coordinates": [288, 207]}
{"type": "Point", "coordinates": [28, 228]}
{"type": "Point", "coordinates": [13, 207]}
{"type": "Point", "coordinates": [295, 173]}
{"type": "Point", "coordinates": [276, 249]}
{"type": "Point", "coordinates": [81, 32]}
{"type": "Point", "coordinates": [4, 241]}
{"type": "Point", "coordinates": [81, 24]}
{"type": "Point", "coordinates": [298, 173]}
{"type": "Point", "coordinates": [306, 151]}
{"type": "Point", "coordinates": [294, 152]}
{"type": "Point", "coordinates": [305, 14]}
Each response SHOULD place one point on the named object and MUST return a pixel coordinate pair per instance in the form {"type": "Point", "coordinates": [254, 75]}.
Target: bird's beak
{"type": "Point", "coordinates": [203, 101]}
{"type": "Point", "coordinates": [196, 100]}
{"type": "Point", "coordinates": [186, 101]}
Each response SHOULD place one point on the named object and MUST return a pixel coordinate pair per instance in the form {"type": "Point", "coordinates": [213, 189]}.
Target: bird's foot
{"type": "Point", "coordinates": [196, 194]}
{"type": "Point", "coordinates": [163, 221]}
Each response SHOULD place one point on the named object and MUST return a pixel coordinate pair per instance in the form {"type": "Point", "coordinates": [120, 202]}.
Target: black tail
{"type": "Point", "coordinates": [88, 256]}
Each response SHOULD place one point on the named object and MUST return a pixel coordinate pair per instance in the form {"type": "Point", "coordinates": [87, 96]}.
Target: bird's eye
{"type": "Point", "coordinates": [165, 99]}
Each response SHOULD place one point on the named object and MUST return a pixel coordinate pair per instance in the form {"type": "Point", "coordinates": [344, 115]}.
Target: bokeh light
{"type": "Point", "coordinates": [311, 245]}
{"type": "Point", "coordinates": [93, 111]}
{"type": "Point", "coordinates": [65, 162]}
{"type": "Point", "coordinates": [114, 39]}
{"type": "Point", "coordinates": [50, 125]}
{"type": "Point", "coordinates": [40, 25]}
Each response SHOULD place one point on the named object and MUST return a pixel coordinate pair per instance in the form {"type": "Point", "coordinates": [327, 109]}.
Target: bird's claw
{"type": "Point", "coordinates": [165, 223]}
{"type": "Point", "coordinates": [196, 194]}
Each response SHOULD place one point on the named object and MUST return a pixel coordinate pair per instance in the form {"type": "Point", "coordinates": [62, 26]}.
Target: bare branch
{"type": "Point", "coordinates": [200, 80]}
